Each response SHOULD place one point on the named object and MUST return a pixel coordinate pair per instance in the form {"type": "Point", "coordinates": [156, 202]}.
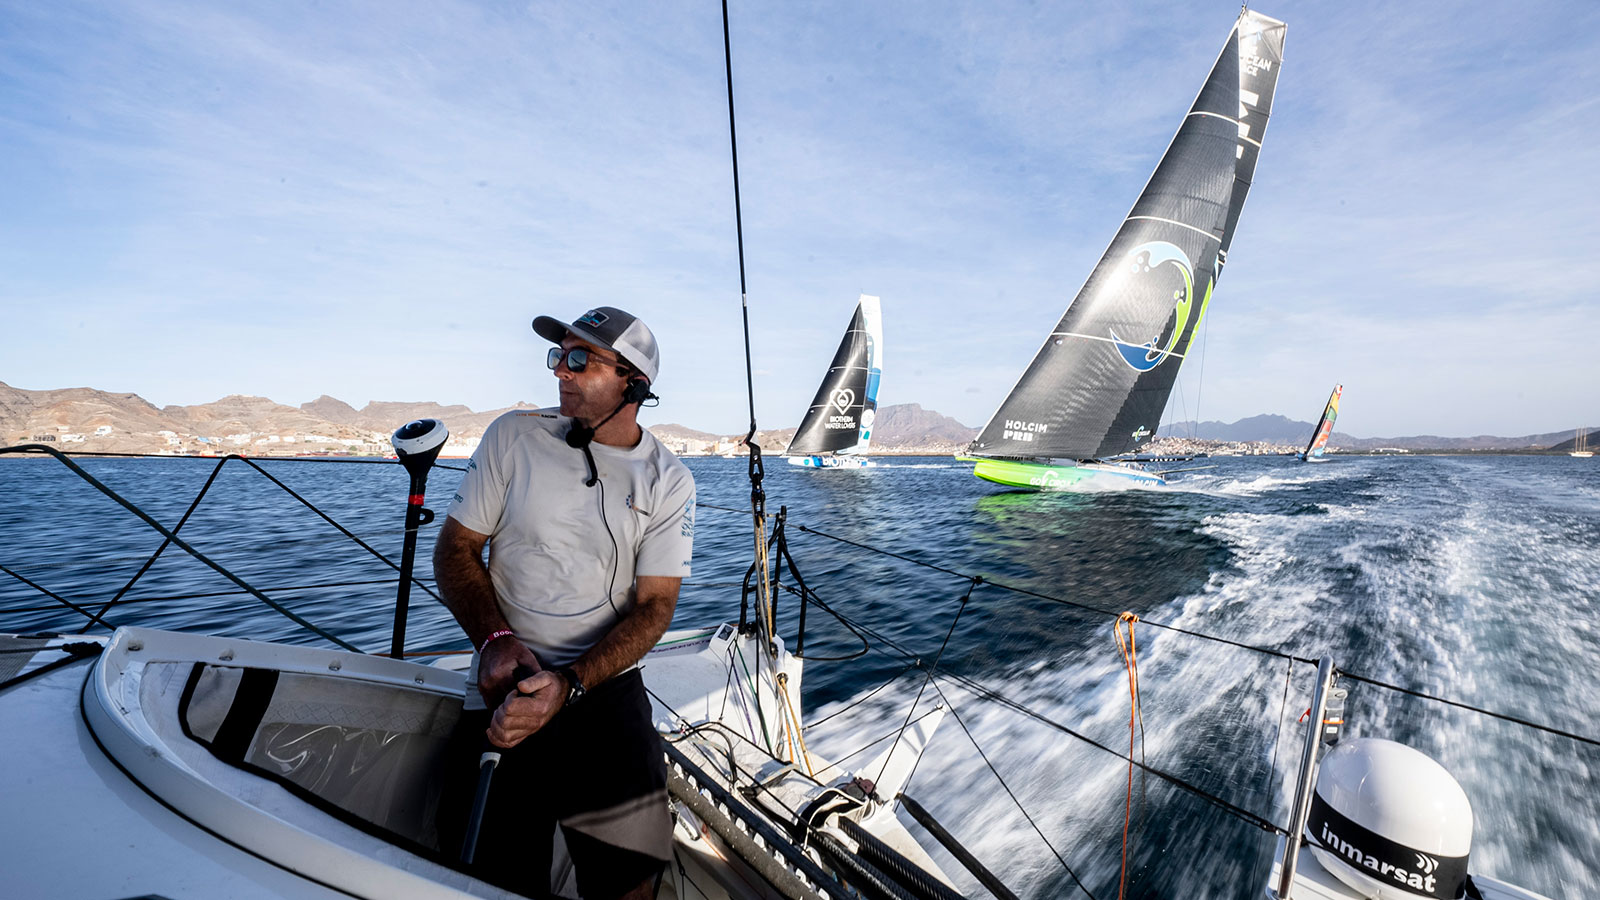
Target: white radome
{"type": "Point", "coordinates": [1400, 794]}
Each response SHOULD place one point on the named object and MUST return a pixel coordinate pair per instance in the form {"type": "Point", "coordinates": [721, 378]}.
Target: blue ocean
{"type": "Point", "coordinates": [1471, 579]}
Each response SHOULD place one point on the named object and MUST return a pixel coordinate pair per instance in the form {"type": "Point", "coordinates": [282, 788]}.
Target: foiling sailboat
{"type": "Point", "coordinates": [1324, 430]}
{"type": "Point", "coordinates": [837, 428]}
{"type": "Point", "coordinates": [1098, 386]}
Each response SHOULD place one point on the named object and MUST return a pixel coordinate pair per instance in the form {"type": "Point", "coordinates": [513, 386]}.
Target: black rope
{"type": "Point", "coordinates": [378, 461]}
{"type": "Point", "coordinates": [954, 620]}
{"type": "Point", "coordinates": [131, 507]}
{"type": "Point", "coordinates": [47, 592]}
{"type": "Point", "coordinates": [731, 509]}
{"type": "Point", "coordinates": [867, 696]}
{"type": "Point", "coordinates": [75, 652]}
{"type": "Point", "coordinates": [1012, 794]}
{"type": "Point", "coordinates": [1208, 637]}
{"type": "Point", "coordinates": [981, 690]}
{"type": "Point", "coordinates": [1458, 704]}
{"type": "Point", "coordinates": [205, 595]}
{"type": "Point", "coordinates": [865, 644]}
{"type": "Point", "coordinates": [165, 543]}
{"type": "Point", "coordinates": [1053, 599]}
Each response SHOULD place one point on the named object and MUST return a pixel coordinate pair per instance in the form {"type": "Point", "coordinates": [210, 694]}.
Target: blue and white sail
{"type": "Point", "coordinates": [837, 429]}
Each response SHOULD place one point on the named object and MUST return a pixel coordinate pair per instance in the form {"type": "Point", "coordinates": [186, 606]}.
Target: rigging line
{"type": "Point", "coordinates": [1237, 811]}
{"type": "Point", "coordinates": [1283, 709]}
{"type": "Point", "coordinates": [75, 653]}
{"type": "Point", "coordinates": [981, 690]}
{"type": "Point", "coordinates": [48, 593]}
{"type": "Point", "coordinates": [382, 461]}
{"type": "Point", "coordinates": [148, 520]}
{"type": "Point", "coordinates": [165, 543]}
{"type": "Point", "coordinates": [1456, 703]}
{"type": "Point", "coordinates": [865, 697]}
{"type": "Point", "coordinates": [1014, 799]}
{"type": "Point", "coordinates": [1198, 388]}
{"type": "Point", "coordinates": [865, 644]}
{"type": "Point", "coordinates": [329, 519]}
{"type": "Point", "coordinates": [1061, 600]}
{"type": "Point", "coordinates": [977, 580]}
{"type": "Point", "coordinates": [206, 595]}
{"type": "Point", "coordinates": [722, 508]}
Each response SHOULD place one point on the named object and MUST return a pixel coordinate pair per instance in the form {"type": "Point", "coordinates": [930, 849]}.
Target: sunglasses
{"type": "Point", "coordinates": [577, 359]}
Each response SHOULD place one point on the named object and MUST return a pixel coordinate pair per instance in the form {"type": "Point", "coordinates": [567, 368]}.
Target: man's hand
{"type": "Point", "coordinates": [497, 668]}
{"type": "Point", "coordinates": [537, 699]}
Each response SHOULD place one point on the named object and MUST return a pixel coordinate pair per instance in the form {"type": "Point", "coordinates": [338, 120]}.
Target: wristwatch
{"type": "Point", "coordinates": [575, 688]}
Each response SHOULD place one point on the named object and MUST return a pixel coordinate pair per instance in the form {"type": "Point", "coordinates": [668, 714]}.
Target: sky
{"type": "Point", "coordinates": [373, 200]}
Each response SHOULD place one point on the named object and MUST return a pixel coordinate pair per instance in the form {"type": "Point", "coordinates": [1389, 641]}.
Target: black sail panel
{"type": "Point", "coordinates": [834, 420]}
{"type": "Point", "coordinates": [1099, 384]}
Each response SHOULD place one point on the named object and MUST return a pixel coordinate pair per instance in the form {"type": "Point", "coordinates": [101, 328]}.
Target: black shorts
{"type": "Point", "coordinates": [597, 769]}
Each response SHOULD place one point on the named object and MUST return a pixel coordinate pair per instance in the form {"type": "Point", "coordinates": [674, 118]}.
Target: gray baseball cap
{"type": "Point", "coordinates": [607, 326]}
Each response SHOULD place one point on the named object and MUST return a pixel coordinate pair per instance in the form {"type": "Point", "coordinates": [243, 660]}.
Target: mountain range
{"type": "Point", "coordinates": [129, 423]}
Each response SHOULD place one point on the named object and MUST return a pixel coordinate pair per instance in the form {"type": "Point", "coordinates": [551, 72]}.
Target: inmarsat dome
{"type": "Point", "coordinates": [1390, 822]}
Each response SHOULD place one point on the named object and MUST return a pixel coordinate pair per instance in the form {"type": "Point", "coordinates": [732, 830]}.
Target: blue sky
{"type": "Point", "coordinates": [373, 200]}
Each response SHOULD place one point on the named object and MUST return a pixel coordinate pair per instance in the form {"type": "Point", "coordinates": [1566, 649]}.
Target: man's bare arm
{"type": "Point", "coordinates": [655, 599]}
{"type": "Point", "coordinates": [469, 595]}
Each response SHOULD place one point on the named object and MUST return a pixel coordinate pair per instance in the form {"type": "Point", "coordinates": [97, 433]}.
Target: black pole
{"type": "Point", "coordinates": [418, 444]}
{"type": "Point", "coordinates": [416, 517]}
{"type": "Point", "coordinates": [488, 761]}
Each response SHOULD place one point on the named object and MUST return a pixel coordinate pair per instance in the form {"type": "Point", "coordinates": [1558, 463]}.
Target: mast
{"type": "Point", "coordinates": [1098, 385]}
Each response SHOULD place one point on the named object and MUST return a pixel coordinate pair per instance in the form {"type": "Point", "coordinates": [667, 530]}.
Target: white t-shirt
{"type": "Point", "coordinates": [558, 548]}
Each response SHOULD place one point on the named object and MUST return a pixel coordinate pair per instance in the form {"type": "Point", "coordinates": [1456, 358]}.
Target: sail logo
{"type": "Point", "coordinates": [1018, 430]}
{"type": "Point", "coordinates": [843, 399]}
{"type": "Point", "coordinates": [1152, 262]}
{"type": "Point", "coordinates": [1140, 434]}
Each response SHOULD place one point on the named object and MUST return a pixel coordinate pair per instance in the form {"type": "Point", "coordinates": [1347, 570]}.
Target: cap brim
{"type": "Point", "coordinates": [552, 330]}
{"type": "Point", "coordinates": [556, 331]}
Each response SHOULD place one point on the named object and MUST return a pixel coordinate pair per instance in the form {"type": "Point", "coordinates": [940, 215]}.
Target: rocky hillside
{"type": "Point", "coordinates": [88, 420]}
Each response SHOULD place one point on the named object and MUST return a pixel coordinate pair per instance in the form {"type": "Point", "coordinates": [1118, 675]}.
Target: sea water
{"type": "Point", "coordinates": [1468, 578]}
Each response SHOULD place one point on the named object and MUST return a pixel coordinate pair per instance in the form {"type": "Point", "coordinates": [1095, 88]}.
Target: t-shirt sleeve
{"type": "Point", "coordinates": [481, 497]}
{"type": "Point", "coordinates": [669, 538]}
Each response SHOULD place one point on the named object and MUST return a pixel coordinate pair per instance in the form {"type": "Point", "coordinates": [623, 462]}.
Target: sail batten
{"type": "Point", "coordinates": [1145, 300]}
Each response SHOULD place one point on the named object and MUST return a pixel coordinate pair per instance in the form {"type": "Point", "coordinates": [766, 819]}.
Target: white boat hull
{"type": "Point", "coordinates": [99, 750]}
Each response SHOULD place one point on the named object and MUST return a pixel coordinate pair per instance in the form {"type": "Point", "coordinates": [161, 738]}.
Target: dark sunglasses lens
{"type": "Point", "coordinates": [577, 358]}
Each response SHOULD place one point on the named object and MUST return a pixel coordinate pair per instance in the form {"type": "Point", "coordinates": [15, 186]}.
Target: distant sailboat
{"type": "Point", "coordinates": [1580, 444]}
{"type": "Point", "coordinates": [838, 426]}
{"type": "Point", "coordinates": [1097, 387]}
{"type": "Point", "coordinates": [1324, 430]}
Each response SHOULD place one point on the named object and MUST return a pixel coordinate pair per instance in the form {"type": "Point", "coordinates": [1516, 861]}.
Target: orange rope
{"type": "Point", "coordinates": [1130, 660]}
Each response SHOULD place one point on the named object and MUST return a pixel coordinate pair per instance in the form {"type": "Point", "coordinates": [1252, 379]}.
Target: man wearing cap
{"type": "Point", "coordinates": [590, 524]}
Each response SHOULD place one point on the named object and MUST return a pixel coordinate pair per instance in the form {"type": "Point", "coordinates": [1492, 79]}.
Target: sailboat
{"type": "Point", "coordinates": [194, 765]}
{"type": "Point", "coordinates": [1580, 444]}
{"type": "Point", "coordinates": [1324, 429]}
{"type": "Point", "coordinates": [837, 428]}
{"type": "Point", "coordinates": [1096, 389]}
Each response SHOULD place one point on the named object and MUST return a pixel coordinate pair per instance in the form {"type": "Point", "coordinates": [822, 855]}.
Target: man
{"type": "Point", "coordinates": [591, 521]}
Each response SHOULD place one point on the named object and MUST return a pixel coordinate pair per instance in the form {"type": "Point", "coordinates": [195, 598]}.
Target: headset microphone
{"type": "Point", "coordinates": [580, 436]}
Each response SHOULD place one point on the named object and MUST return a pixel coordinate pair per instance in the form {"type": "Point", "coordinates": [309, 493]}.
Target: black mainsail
{"type": "Point", "coordinates": [841, 414]}
{"type": "Point", "coordinates": [1100, 382]}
